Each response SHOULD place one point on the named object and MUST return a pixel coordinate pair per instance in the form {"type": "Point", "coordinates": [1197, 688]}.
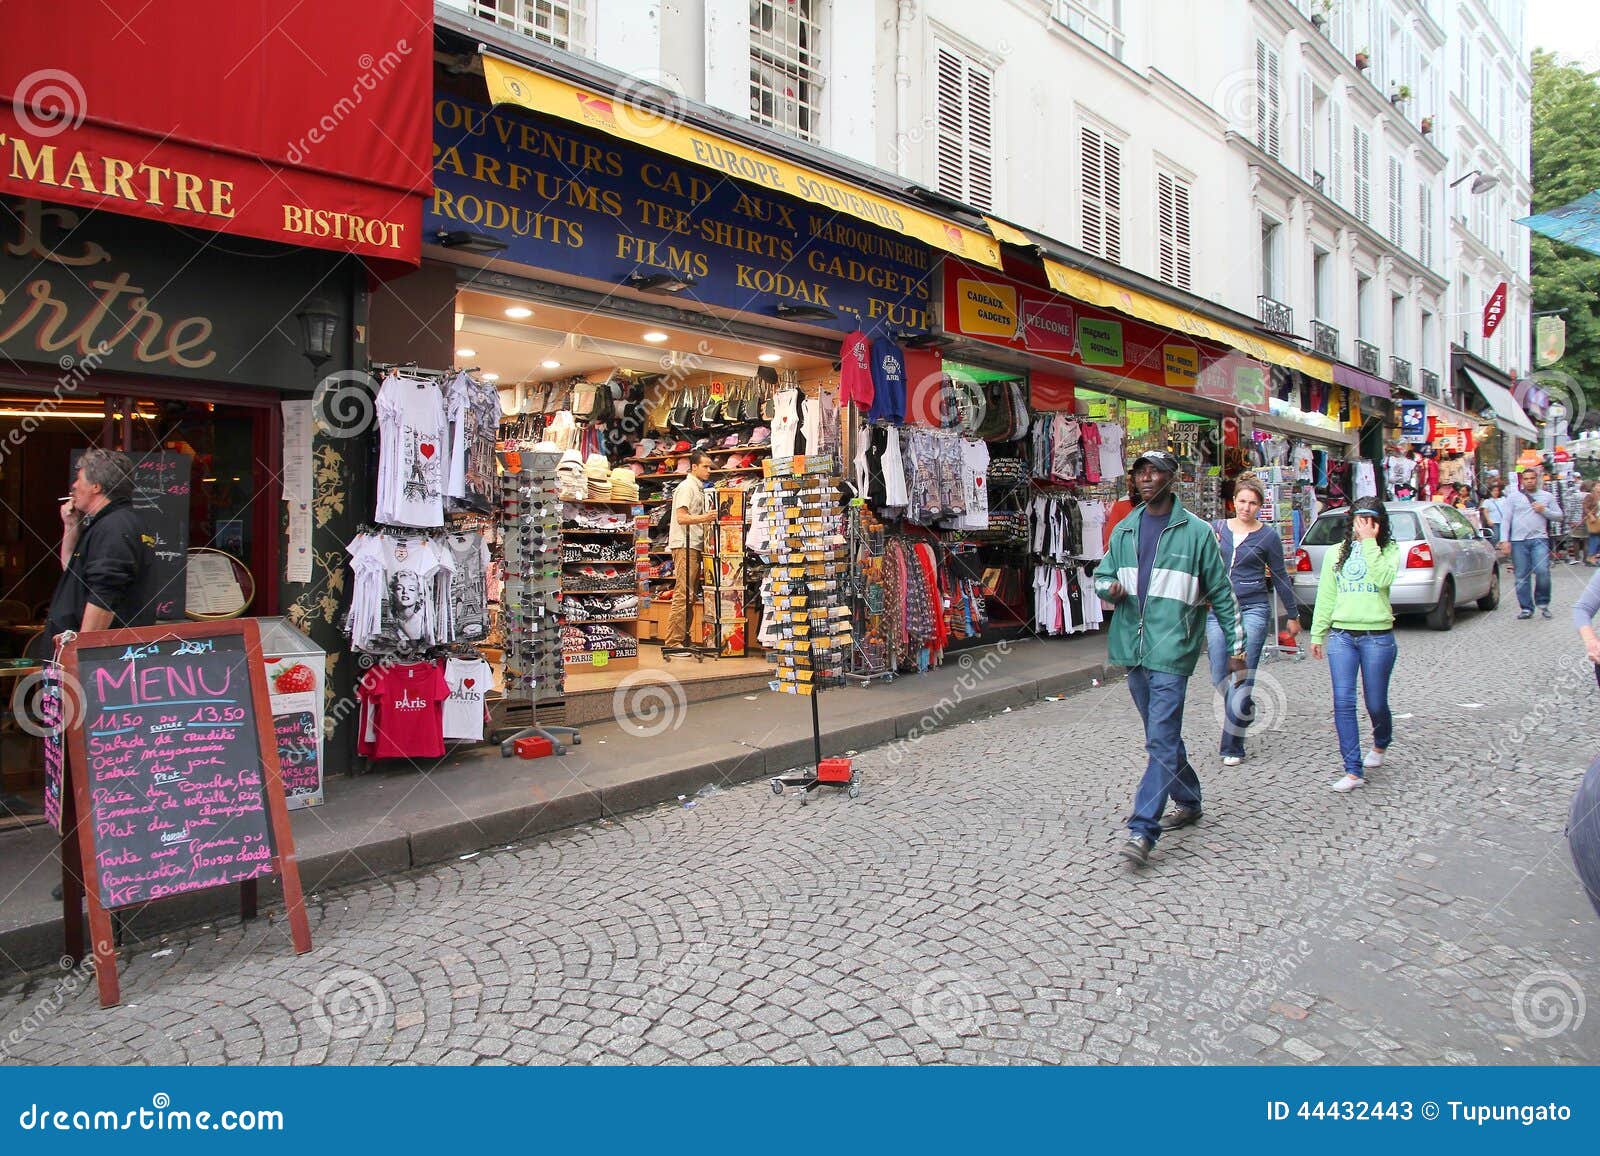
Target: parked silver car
{"type": "Point", "coordinates": [1445, 561]}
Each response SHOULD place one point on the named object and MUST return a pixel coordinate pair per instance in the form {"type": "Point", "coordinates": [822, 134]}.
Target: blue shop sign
{"type": "Point", "coordinates": [1414, 421]}
{"type": "Point", "coordinates": [589, 206]}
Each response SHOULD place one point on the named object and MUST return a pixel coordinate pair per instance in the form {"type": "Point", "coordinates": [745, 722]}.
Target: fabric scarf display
{"type": "Point", "coordinates": [472, 409]}
{"type": "Point", "coordinates": [413, 458]}
{"type": "Point", "coordinates": [401, 600]}
{"type": "Point", "coordinates": [1055, 527]}
{"type": "Point", "coordinates": [402, 711]}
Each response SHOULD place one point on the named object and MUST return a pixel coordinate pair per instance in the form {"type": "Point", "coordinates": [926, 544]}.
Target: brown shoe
{"type": "Point", "coordinates": [1177, 817]}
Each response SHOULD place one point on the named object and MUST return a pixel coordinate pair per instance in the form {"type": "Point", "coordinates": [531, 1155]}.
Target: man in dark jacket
{"type": "Point", "coordinates": [105, 552]}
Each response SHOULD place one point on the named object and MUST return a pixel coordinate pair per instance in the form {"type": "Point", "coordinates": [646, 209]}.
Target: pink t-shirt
{"type": "Point", "coordinates": [410, 711]}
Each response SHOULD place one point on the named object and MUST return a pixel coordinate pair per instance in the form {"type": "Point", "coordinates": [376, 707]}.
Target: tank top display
{"type": "Point", "coordinates": [785, 422]}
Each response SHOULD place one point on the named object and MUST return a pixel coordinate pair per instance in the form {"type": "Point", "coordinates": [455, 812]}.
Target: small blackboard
{"type": "Point", "coordinates": [297, 733]}
{"type": "Point", "coordinates": [175, 770]}
{"type": "Point", "coordinates": [161, 495]}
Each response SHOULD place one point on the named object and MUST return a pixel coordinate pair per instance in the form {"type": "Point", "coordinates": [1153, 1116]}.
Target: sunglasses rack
{"type": "Point", "coordinates": [531, 597]}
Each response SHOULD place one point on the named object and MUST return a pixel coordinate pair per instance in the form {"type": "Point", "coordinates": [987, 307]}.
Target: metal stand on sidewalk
{"type": "Point", "coordinates": [825, 772]}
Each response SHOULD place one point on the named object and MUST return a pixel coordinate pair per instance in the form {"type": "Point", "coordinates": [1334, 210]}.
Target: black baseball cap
{"type": "Point", "coordinates": [1160, 459]}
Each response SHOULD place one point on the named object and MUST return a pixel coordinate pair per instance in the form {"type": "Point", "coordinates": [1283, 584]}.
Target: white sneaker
{"type": "Point", "coordinates": [1231, 760]}
{"type": "Point", "coordinates": [1348, 783]}
{"type": "Point", "coordinates": [1373, 759]}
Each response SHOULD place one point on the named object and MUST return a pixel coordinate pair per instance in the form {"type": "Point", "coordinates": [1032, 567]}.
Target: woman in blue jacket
{"type": "Point", "coordinates": [1254, 554]}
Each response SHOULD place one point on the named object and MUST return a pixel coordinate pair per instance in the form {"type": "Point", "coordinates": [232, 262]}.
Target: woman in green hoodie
{"type": "Point", "coordinates": [1354, 626]}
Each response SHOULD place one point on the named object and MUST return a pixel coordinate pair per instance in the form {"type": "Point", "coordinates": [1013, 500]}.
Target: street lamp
{"type": "Point", "coordinates": [318, 323]}
{"type": "Point", "coordinates": [1483, 183]}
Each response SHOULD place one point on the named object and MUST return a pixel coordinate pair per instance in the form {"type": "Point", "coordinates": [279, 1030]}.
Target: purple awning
{"type": "Point", "coordinates": [1360, 382]}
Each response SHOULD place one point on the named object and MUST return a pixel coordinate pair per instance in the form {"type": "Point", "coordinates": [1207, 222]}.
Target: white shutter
{"type": "Point", "coordinates": [1425, 223]}
{"type": "Point", "coordinates": [1396, 195]}
{"type": "Point", "coordinates": [1336, 147]}
{"type": "Point", "coordinates": [1112, 175]}
{"type": "Point", "coordinates": [1093, 193]}
{"type": "Point", "coordinates": [1308, 158]}
{"type": "Point", "coordinates": [1361, 164]}
{"type": "Point", "coordinates": [952, 100]}
{"type": "Point", "coordinates": [965, 150]}
{"type": "Point", "coordinates": [1174, 260]}
{"type": "Point", "coordinates": [1269, 99]}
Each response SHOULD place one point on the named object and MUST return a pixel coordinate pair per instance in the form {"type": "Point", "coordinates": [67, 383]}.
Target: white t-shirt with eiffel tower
{"type": "Point", "coordinates": [412, 434]}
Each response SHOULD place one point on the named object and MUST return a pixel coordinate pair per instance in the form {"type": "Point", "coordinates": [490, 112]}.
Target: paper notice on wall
{"type": "Point", "coordinates": [296, 451]}
{"type": "Point", "coordinates": [297, 556]}
{"type": "Point", "coordinates": [213, 588]}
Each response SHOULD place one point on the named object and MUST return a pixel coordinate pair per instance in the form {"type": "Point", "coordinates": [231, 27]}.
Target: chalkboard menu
{"type": "Point", "coordinates": [161, 495]}
{"type": "Point", "coordinates": [299, 755]}
{"type": "Point", "coordinates": [172, 766]}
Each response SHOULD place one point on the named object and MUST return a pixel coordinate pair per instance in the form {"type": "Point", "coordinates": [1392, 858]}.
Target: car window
{"type": "Point", "coordinates": [1328, 530]}
{"type": "Point", "coordinates": [1441, 525]}
{"type": "Point", "coordinates": [1464, 528]}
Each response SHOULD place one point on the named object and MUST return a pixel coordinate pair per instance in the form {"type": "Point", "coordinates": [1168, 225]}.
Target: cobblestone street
{"type": "Point", "coordinates": [970, 907]}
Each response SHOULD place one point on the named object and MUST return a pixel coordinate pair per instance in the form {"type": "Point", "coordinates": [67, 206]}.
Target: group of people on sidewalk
{"type": "Point", "coordinates": [1166, 571]}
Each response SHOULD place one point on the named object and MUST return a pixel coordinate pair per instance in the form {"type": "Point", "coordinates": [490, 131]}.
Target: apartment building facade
{"type": "Point", "coordinates": [1297, 161]}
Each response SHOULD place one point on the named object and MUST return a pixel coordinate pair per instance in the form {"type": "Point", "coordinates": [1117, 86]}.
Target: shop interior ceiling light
{"type": "Point", "coordinates": [655, 336]}
{"type": "Point", "coordinates": [491, 377]}
{"type": "Point", "coordinates": [769, 357]}
{"type": "Point", "coordinates": [518, 312]}
{"type": "Point", "coordinates": [466, 353]}
{"type": "Point", "coordinates": [550, 365]}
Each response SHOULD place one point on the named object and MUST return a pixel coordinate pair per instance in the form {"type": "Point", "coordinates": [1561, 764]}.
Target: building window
{"type": "Point", "coordinates": [1361, 171]}
{"type": "Point", "coordinates": [1174, 254]}
{"type": "Point", "coordinates": [1269, 106]}
{"type": "Point", "coordinates": [965, 117]}
{"type": "Point", "coordinates": [1397, 201]}
{"type": "Point", "coordinates": [560, 23]}
{"type": "Point", "coordinates": [1397, 326]}
{"type": "Point", "coordinates": [1321, 285]}
{"type": "Point", "coordinates": [1363, 307]}
{"type": "Point", "coordinates": [785, 69]}
{"type": "Point", "coordinates": [1102, 194]}
{"type": "Point", "coordinates": [1270, 232]}
{"type": "Point", "coordinates": [1097, 21]}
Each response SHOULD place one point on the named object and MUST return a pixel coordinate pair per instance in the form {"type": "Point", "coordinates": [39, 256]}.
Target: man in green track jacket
{"type": "Point", "coordinates": [1162, 568]}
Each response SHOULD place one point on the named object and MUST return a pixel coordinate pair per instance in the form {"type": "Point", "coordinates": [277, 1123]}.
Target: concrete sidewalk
{"type": "Point", "coordinates": [389, 822]}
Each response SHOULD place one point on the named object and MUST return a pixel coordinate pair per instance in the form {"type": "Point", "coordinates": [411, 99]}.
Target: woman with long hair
{"type": "Point", "coordinates": [1353, 626]}
{"type": "Point", "coordinates": [1591, 525]}
{"type": "Point", "coordinates": [1489, 509]}
{"type": "Point", "coordinates": [1254, 554]}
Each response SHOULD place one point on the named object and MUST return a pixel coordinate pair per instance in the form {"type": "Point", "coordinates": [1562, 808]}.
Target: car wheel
{"type": "Point", "coordinates": [1443, 616]}
{"type": "Point", "coordinates": [1492, 599]}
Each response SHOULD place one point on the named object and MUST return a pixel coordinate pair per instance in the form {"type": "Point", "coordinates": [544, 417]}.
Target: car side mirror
{"type": "Point", "coordinates": [1486, 534]}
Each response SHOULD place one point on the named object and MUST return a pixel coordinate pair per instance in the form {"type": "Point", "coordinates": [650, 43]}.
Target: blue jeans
{"type": "Point", "coordinates": [1531, 557]}
{"type": "Point", "coordinates": [1372, 655]}
{"type": "Point", "coordinates": [1159, 697]}
{"type": "Point", "coordinates": [1238, 710]}
{"type": "Point", "coordinates": [1591, 547]}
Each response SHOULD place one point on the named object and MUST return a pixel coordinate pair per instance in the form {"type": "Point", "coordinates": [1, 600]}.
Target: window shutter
{"type": "Point", "coordinates": [1275, 103]}
{"type": "Point", "coordinates": [980, 137]}
{"type": "Point", "coordinates": [1396, 230]}
{"type": "Point", "coordinates": [1173, 258]}
{"type": "Point", "coordinates": [1361, 156]}
{"type": "Point", "coordinates": [1425, 224]}
{"type": "Point", "coordinates": [952, 98]}
{"type": "Point", "coordinates": [1268, 99]}
{"type": "Point", "coordinates": [1336, 144]}
{"type": "Point", "coordinates": [1308, 160]}
{"type": "Point", "coordinates": [1112, 176]}
{"type": "Point", "coordinates": [1093, 192]}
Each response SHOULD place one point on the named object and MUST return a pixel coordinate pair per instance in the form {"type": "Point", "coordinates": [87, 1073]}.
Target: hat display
{"type": "Point", "coordinates": [645, 448]}
{"type": "Point", "coordinates": [682, 448]}
{"type": "Point", "coordinates": [760, 436]}
{"type": "Point", "coordinates": [597, 467]}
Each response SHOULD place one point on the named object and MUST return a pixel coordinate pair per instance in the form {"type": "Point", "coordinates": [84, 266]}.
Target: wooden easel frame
{"type": "Point", "coordinates": [77, 846]}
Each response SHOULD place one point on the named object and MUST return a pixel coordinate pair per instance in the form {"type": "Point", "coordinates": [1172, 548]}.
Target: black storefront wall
{"type": "Point", "coordinates": [94, 302]}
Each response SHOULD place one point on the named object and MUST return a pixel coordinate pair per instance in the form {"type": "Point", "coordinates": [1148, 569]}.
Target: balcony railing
{"type": "Point", "coordinates": [1367, 357]}
{"type": "Point", "coordinates": [1319, 182]}
{"type": "Point", "coordinates": [1275, 315]}
{"type": "Point", "coordinates": [1430, 383]}
{"type": "Point", "coordinates": [1325, 339]}
{"type": "Point", "coordinates": [1400, 372]}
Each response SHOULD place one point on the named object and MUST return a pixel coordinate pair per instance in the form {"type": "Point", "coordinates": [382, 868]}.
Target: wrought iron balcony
{"type": "Point", "coordinates": [1319, 182]}
{"type": "Point", "coordinates": [1325, 339]}
{"type": "Point", "coordinates": [1275, 315]}
{"type": "Point", "coordinates": [1430, 384]}
{"type": "Point", "coordinates": [1400, 372]}
{"type": "Point", "coordinates": [1368, 357]}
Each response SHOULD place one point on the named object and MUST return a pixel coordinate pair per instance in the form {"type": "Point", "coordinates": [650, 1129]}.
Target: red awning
{"type": "Point", "coordinates": [1359, 381]}
{"type": "Point", "coordinates": [306, 124]}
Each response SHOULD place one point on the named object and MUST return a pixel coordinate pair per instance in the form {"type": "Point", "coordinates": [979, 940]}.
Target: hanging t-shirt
{"type": "Point", "coordinates": [888, 382]}
{"type": "Point", "coordinates": [469, 584]}
{"type": "Point", "coordinates": [1110, 451]}
{"type": "Point", "coordinates": [410, 711]}
{"type": "Point", "coordinates": [412, 457]}
{"type": "Point", "coordinates": [974, 485]}
{"type": "Point", "coordinates": [855, 371]}
{"type": "Point", "coordinates": [469, 680]}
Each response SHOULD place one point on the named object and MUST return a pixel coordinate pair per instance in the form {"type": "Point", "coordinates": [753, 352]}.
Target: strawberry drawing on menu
{"type": "Point", "coordinates": [296, 679]}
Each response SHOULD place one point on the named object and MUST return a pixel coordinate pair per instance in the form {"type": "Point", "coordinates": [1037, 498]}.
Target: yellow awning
{"type": "Point", "coordinates": [512, 84]}
{"type": "Point", "coordinates": [1010, 234]}
{"type": "Point", "coordinates": [1098, 291]}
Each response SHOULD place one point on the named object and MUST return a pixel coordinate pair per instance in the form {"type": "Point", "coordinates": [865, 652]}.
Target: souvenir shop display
{"type": "Point", "coordinates": [869, 648]}
{"type": "Point", "coordinates": [722, 592]}
{"type": "Point", "coordinates": [806, 620]}
{"type": "Point", "coordinates": [420, 601]}
{"type": "Point", "coordinates": [599, 571]}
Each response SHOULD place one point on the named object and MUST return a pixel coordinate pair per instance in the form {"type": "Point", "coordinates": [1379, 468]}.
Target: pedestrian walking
{"type": "Point", "coordinates": [1591, 526]}
{"type": "Point", "coordinates": [1525, 516]}
{"type": "Point", "coordinates": [1583, 612]}
{"type": "Point", "coordinates": [1353, 626]}
{"type": "Point", "coordinates": [1253, 552]}
{"type": "Point", "coordinates": [1160, 568]}
{"type": "Point", "coordinates": [1489, 508]}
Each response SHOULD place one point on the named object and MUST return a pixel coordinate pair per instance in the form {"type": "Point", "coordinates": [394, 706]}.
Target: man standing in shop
{"type": "Point", "coordinates": [686, 539]}
{"type": "Point", "coordinates": [1162, 568]}
{"type": "Point", "coordinates": [1525, 516]}
{"type": "Point", "coordinates": [105, 554]}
